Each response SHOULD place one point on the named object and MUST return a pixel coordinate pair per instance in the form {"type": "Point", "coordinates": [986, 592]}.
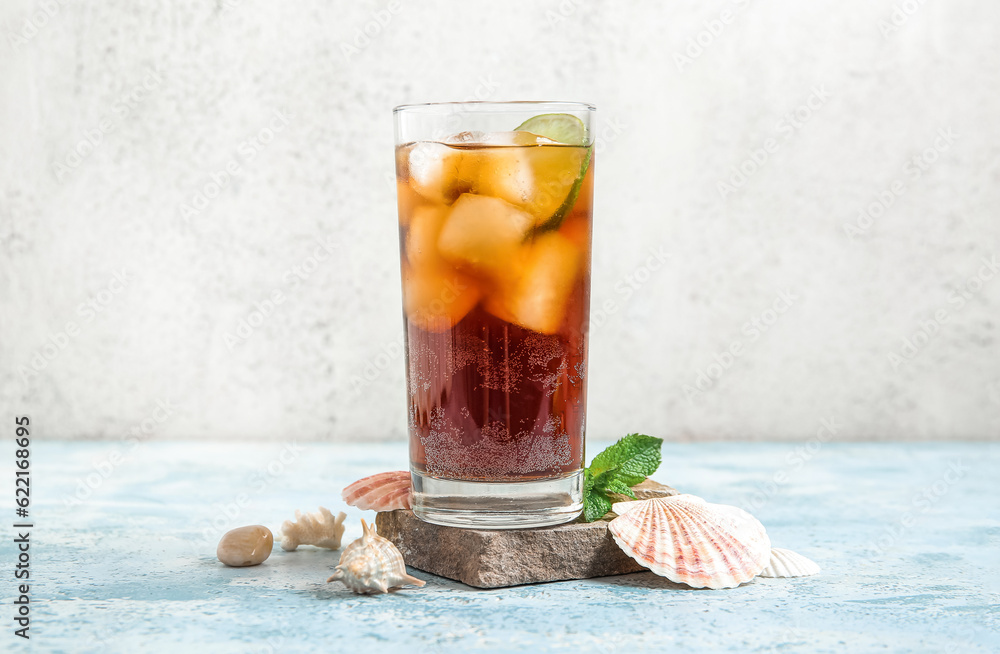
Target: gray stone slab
{"type": "Point", "coordinates": [493, 558]}
{"type": "Point", "coordinates": [487, 558]}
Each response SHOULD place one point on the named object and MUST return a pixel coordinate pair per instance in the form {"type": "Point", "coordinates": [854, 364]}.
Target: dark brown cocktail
{"type": "Point", "coordinates": [495, 235]}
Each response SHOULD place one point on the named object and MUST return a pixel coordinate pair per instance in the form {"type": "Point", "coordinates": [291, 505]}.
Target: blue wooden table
{"type": "Point", "coordinates": [124, 537]}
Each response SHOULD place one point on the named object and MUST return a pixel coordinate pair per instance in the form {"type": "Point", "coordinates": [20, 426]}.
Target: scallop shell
{"type": "Point", "coordinates": [372, 564]}
{"type": "Point", "coordinates": [786, 563]}
{"type": "Point", "coordinates": [689, 541]}
{"type": "Point", "coordinates": [385, 491]}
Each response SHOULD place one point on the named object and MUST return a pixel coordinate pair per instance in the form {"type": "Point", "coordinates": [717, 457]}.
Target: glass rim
{"type": "Point", "coordinates": [493, 106]}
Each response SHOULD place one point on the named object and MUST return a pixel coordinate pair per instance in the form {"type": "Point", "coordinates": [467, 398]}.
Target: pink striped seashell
{"type": "Point", "coordinates": [386, 491]}
{"type": "Point", "coordinates": [689, 541]}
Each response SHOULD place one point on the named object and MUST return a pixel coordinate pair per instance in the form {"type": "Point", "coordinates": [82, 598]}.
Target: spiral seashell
{"type": "Point", "coordinates": [385, 491]}
{"type": "Point", "coordinates": [689, 541]}
{"type": "Point", "coordinates": [786, 563]}
{"type": "Point", "coordinates": [372, 564]}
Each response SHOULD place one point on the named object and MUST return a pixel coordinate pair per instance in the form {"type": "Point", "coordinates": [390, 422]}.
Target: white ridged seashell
{"type": "Point", "coordinates": [319, 529]}
{"type": "Point", "coordinates": [372, 564]}
{"type": "Point", "coordinates": [786, 563]}
{"type": "Point", "coordinates": [689, 541]}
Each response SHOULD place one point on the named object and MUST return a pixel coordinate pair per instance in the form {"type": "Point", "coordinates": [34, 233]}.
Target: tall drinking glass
{"type": "Point", "coordinates": [495, 233]}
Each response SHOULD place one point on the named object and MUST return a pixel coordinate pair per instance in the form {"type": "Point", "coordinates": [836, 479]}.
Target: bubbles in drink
{"type": "Point", "coordinates": [497, 453]}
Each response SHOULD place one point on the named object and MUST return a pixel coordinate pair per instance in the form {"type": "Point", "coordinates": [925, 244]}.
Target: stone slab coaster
{"type": "Point", "coordinates": [493, 558]}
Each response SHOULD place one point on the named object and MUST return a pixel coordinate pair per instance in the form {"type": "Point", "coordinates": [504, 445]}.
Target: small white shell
{"type": "Point", "coordinates": [786, 563]}
{"type": "Point", "coordinates": [318, 529]}
{"type": "Point", "coordinates": [372, 564]}
{"type": "Point", "coordinates": [689, 541]}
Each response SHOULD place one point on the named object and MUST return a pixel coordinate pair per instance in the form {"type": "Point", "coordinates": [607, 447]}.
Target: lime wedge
{"type": "Point", "coordinates": [564, 128]}
{"type": "Point", "coordinates": [556, 220]}
{"type": "Point", "coordinates": [569, 130]}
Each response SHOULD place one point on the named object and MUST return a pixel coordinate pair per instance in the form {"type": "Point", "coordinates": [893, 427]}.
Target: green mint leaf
{"type": "Point", "coordinates": [619, 487]}
{"type": "Point", "coordinates": [626, 463]}
{"type": "Point", "coordinates": [602, 480]}
{"type": "Point", "coordinates": [631, 460]}
{"type": "Point", "coordinates": [595, 506]}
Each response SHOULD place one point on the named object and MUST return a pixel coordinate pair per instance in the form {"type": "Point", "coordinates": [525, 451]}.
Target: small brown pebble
{"type": "Point", "coordinates": [245, 546]}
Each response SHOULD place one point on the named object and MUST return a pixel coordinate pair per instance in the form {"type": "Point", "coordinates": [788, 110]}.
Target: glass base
{"type": "Point", "coordinates": [492, 505]}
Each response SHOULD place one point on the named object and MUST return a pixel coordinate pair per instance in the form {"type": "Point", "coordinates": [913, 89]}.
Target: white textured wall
{"type": "Point", "coordinates": [208, 79]}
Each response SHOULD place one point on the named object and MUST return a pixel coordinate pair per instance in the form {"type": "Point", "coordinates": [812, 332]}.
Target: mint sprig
{"type": "Point", "coordinates": [615, 470]}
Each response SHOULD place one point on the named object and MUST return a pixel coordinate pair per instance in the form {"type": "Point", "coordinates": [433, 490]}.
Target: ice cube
{"type": "Point", "coordinates": [433, 170]}
{"type": "Point", "coordinates": [540, 294]}
{"type": "Point", "coordinates": [488, 168]}
{"type": "Point", "coordinates": [407, 200]}
{"type": "Point", "coordinates": [505, 173]}
{"type": "Point", "coordinates": [436, 298]}
{"type": "Point", "coordinates": [536, 179]}
{"type": "Point", "coordinates": [421, 239]}
{"type": "Point", "coordinates": [495, 303]}
{"type": "Point", "coordinates": [483, 233]}
{"type": "Point", "coordinates": [466, 137]}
